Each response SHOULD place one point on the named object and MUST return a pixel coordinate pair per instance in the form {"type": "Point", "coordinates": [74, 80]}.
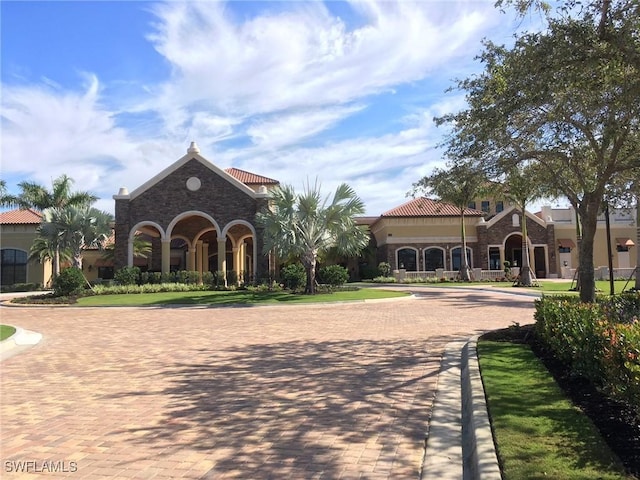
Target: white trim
{"type": "Point", "coordinates": [506, 211]}
{"type": "Point", "coordinates": [408, 248]}
{"type": "Point", "coordinates": [227, 227]}
{"type": "Point", "coordinates": [137, 226]}
{"type": "Point", "coordinates": [196, 213]}
{"type": "Point", "coordinates": [196, 238]}
{"type": "Point", "coordinates": [460, 247]}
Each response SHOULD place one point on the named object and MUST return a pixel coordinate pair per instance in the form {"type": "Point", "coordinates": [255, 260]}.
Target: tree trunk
{"type": "Point", "coordinates": [525, 269]}
{"type": "Point", "coordinates": [309, 262]}
{"type": "Point", "coordinates": [589, 218]}
{"type": "Point", "coordinates": [465, 274]}
{"type": "Point", "coordinates": [637, 242]}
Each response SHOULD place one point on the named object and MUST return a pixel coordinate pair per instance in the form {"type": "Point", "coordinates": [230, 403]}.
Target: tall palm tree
{"type": "Point", "coordinates": [6, 199]}
{"type": "Point", "coordinates": [521, 190]}
{"type": "Point", "coordinates": [78, 228]}
{"type": "Point", "coordinates": [305, 226]}
{"type": "Point", "coordinates": [459, 185]}
{"type": "Point", "coordinates": [46, 246]}
{"type": "Point", "coordinates": [36, 196]}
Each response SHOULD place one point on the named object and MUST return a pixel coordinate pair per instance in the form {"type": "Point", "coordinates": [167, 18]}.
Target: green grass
{"type": "Point", "coordinates": [239, 297]}
{"type": "Point", "coordinates": [6, 331]}
{"type": "Point", "coordinates": [539, 434]}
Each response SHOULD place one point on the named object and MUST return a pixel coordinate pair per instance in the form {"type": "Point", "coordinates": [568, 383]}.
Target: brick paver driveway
{"type": "Point", "coordinates": [291, 392]}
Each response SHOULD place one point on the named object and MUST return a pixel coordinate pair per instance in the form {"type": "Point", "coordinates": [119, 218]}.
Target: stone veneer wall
{"type": "Point", "coordinates": [170, 197]}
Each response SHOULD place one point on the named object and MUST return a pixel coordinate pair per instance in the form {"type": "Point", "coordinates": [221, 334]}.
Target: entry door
{"type": "Point", "coordinates": [623, 260]}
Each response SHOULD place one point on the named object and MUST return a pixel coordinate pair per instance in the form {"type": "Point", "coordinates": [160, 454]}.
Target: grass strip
{"type": "Point", "coordinates": [6, 331]}
{"type": "Point", "coordinates": [538, 432]}
{"type": "Point", "coordinates": [238, 297]}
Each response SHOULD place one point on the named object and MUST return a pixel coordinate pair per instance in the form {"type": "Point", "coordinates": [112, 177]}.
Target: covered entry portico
{"type": "Point", "coordinates": [199, 217]}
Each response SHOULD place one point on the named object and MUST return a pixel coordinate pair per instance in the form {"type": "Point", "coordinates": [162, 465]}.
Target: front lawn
{"type": "Point", "coordinates": [6, 331]}
{"type": "Point", "coordinates": [538, 432]}
{"type": "Point", "coordinates": [238, 297]}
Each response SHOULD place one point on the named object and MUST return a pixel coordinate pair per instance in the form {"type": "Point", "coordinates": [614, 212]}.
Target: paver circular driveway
{"type": "Point", "coordinates": [313, 391]}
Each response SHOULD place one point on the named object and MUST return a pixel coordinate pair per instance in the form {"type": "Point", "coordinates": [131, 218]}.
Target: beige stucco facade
{"type": "Point", "coordinates": [20, 237]}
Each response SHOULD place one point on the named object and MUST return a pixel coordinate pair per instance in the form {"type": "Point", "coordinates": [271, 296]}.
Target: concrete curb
{"type": "Point", "coordinates": [459, 443]}
{"type": "Point", "coordinates": [479, 453]}
{"type": "Point", "coordinates": [18, 342]}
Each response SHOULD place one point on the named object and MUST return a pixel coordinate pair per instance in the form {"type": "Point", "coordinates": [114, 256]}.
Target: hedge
{"type": "Point", "coordinates": [598, 341]}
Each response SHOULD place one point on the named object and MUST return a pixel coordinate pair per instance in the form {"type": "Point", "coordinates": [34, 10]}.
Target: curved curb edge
{"type": "Point", "coordinates": [18, 342]}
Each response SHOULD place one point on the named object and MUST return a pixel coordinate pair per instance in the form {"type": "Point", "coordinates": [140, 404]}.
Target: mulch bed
{"type": "Point", "coordinates": [618, 423]}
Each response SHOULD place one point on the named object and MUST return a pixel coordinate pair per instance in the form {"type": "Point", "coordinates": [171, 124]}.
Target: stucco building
{"type": "Point", "coordinates": [199, 217]}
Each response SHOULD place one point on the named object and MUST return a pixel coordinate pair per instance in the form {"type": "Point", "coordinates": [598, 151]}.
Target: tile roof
{"type": "Point", "coordinates": [249, 178]}
{"type": "Point", "coordinates": [20, 217]}
{"type": "Point", "coordinates": [426, 207]}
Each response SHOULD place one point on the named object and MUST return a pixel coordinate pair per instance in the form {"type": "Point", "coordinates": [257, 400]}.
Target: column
{"type": "Point", "coordinates": [242, 268]}
{"type": "Point", "coordinates": [205, 257]}
{"type": "Point", "coordinates": [236, 261]}
{"type": "Point", "coordinates": [191, 260]}
{"type": "Point", "coordinates": [222, 255]}
{"type": "Point", "coordinates": [502, 260]}
{"type": "Point", "coordinates": [130, 253]}
{"type": "Point", "coordinates": [199, 260]}
{"type": "Point", "coordinates": [166, 255]}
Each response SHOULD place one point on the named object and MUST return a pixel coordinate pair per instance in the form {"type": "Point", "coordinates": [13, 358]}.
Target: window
{"type": "Point", "coordinates": [13, 266]}
{"type": "Point", "coordinates": [622, 248]}
{"type": "Point", "coordinates": [106, 273]}
{"type": "Point", "coordinates": [485, 206]}
{"type": "Point", "coordinates": [499, 206]}
{"type": "Point", "coordinates": [433, 259]}
{"type": "Point", "coordinates": [564, 249]}
{"type": "Point", "coordinates": [494, 258]}
{"type": "Point", "coordinates": [456, 260]}
{"type": "Point", "coordinates": [472, 205]}
{"type": "Point", "coordinates": [407, 259]}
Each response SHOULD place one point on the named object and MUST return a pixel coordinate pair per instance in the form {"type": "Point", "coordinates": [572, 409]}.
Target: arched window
{"type": "Point", "coordinates": [13, 266]}
{"type": "Point", "coordinates": [456, 260]}
{"type": "Point", "coordinates": [408, 259]}
{"type": "Point", "coordinates": [433, 259]}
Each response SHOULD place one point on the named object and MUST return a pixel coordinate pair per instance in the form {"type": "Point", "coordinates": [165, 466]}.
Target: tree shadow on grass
{"type": "Point", "coordinates": [348, 409]}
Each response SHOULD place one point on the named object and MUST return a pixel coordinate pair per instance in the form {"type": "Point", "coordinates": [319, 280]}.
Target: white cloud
{"type": "Point", "coordinates": [305, 57]}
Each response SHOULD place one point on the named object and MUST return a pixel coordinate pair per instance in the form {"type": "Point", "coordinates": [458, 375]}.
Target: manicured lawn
{"type": "Point", "coordinates": [539, 433]}
{"type": "Point", "coordinates": [6, 331]}
{"type": "Point", "coordinates": [240, 297]}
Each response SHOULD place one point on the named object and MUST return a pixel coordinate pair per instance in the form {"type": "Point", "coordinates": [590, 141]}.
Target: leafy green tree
{"type": "Point", "coordinates": [305, 225]}
{"type": "Point", "coordinates": [565, 99]}
{"type": "Point", "coordinates": [459, 185]}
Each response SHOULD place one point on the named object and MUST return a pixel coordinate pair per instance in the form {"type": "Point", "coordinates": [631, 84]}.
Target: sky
{"type": "Point", "coordinates": [112, 92]}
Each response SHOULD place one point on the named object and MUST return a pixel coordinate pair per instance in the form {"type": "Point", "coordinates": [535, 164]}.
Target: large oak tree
{"type": "Point", "coordinates": [566, 100]}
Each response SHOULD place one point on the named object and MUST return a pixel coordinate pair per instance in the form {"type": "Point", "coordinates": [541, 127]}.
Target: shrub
{"type": "Point", "coordinates": [20, 287]}
{"type": "Point", "coordinates": [384, 280]}
{"type": "Point", "coordinates": [333, 275]}
{"type": "Point", "coordinates": [232, 277]}
{"type": "Point", "coordinates": [597, 341]}
{"type": "Point", "coordinates": [127, 276]}
{"type": "Point", "coordinates": [384, 269]}
{"type": "Point", "coordinates": [294, 276]}
{"type": "Point", "coordinates": [70, 282]}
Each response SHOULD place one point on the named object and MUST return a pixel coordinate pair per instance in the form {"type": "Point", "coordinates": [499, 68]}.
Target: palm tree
{"type": "Point", "coordinates": [141, 249]}
{"type": "Point", "coordinates": [36, 196]}
{"type": "Point", "coordinates": [521, 190]}
{"type": "Point", "coordinates": [459, 185]}
{"type": "Point", "coordinates": [6, 199]}
{"type": "Point", "coordinates": [305, 226]}
{"type": "Point", "coordinates": [46, 246]}
{"type": "Point", "coordinates": [78, 228]}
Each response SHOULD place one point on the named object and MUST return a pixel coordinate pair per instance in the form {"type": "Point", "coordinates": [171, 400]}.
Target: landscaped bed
{"type": "Point", "coordinates": [592, 352]}
{"type": "Point", "coordinates": [221, 298]}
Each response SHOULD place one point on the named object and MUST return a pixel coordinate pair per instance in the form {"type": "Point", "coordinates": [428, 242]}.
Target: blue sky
{"type": "Point", "coordinates": [111, 93]}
